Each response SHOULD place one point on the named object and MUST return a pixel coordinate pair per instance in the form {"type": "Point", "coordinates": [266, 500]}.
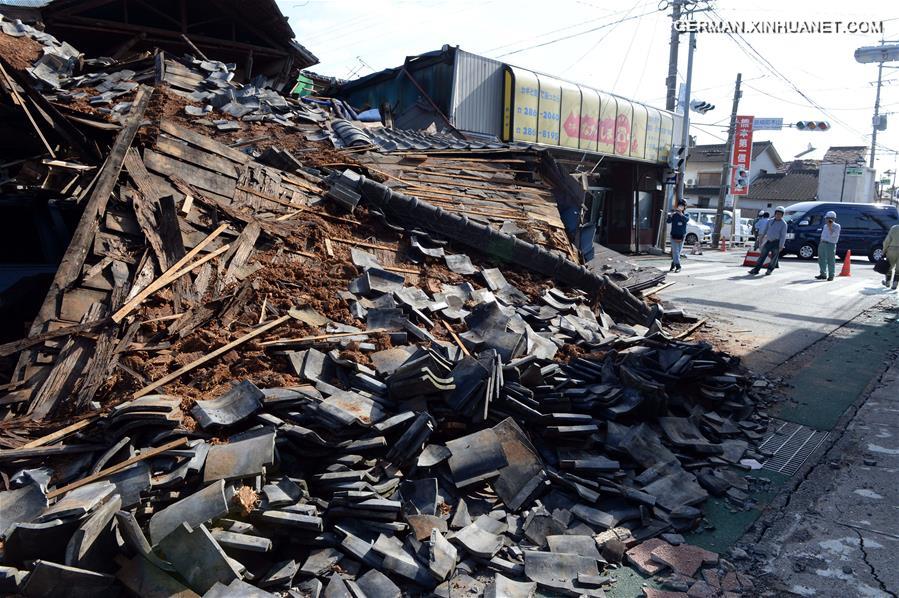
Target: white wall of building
{"type": "Point", "coordinates": [835, 185]}
{"type": "Point", "coordinates": [762, 163]}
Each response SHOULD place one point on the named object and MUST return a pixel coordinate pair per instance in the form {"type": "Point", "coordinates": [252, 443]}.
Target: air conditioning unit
{"type": "Point", "coordinates": [689, 182]}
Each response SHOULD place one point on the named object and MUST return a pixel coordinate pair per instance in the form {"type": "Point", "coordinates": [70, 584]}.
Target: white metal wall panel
{"type": "Point", "coordinates": [477, 94]}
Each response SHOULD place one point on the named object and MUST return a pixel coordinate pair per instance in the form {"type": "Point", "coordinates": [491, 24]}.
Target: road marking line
{"type": "Point", "coordinates": [852, 289]}
{"type": "Point", "coordinates": [732, 272]}
{"type": "Point", "coordinates": [694, 272]}
{"type": "Point", "coordinates": [806, 286]}
{"type": "Point", "coordinates": [777, 277]}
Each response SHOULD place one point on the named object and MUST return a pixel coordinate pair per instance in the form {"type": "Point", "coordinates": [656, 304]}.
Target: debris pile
{"type": "Point", "coordinates": [263, 370]}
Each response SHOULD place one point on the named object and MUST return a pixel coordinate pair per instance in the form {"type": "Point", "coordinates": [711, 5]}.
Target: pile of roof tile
{"type": "Point", "coordinates": [418, 403]}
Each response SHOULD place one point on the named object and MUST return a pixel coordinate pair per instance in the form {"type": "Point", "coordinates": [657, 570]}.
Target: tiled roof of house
{"type": "Point", "coordinates": [715, 152]}
{"type": "Point", "coordinates": [798, 185]}
{"type": "Point", "coordinates": [843, 154]}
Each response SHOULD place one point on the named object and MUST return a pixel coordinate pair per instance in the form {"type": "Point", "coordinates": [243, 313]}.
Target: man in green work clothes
{"type": "Point", "coordinates": [827, 246]}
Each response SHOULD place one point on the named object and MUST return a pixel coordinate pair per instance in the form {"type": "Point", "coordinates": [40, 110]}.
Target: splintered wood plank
{"type": "Point", "coordinates": [204, 159]}
{"type": "Point", "coordinates": [78, 301]}
{"type": "Point", "coordinates": [199, 177]}
{"type": "Point", "coordinates": [145, 202]}
{"type": "Point", "coordinates": [172, 244]}
{"type": "Point", "coordinates": [242, 249]}
{"type": "Point", "coordinates": [64, 375]}
{"type": "Point", "coordinates": [168, 275]}
{"type": "Point", "coordinates": [180, 82]}
{"type": "Point", "coordinates": [202, 141]}
{"type": "Point", "coordinates": [165, 280]}
{"type": "Point", "coordinates": [75, 255]}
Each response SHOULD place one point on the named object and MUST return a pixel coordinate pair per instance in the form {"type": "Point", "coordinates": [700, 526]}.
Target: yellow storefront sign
{"type": "Point", "coordinates": [653, 127]}
{"type": "Point", "coordinates": [638, 132]}
{"type": "Point", "coordinates": [541, 109]}
{"type": "Point", "coordinates": [623, 128]}
{"type": "Point", "coordinates": [571, 110]}
{"type": "Point", "coordinates": [589, 123]}
{"type": "Point", "coordinates": [608, 110]}
{"type": "Point", "coordinates": [549, 110]}
{"type": "Point", "coordinates": [666, 136]}
{"type": "Point", "coordinates": [525, 99]}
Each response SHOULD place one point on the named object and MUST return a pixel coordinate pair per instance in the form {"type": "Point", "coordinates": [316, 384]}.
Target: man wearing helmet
{"type": "Point", "coordinates": [827, 246]}
{"type": "Point", "coordinates": [773, 241]}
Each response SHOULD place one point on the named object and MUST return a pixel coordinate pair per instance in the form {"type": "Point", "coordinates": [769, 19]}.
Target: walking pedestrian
{"type": "Point", "coordinates": [773, 242]}
{"type": "Point", "coordinates": [678, 221]}
{"type": "Point", "coordinates": [891, 252]}
{"type": "Point", "coordinates": [827, 246]}
{"type": "Point", "coordinates": [760, 225]}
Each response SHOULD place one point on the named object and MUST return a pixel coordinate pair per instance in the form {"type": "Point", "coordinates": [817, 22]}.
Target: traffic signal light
{"type": "Point", "coordinates": [813, 125]}
{"type": "Point", "coordinates": [700, 106]}
{"type": "Point", "coordinates": [741, 180]}
{"type": "Point", "coordinates": [677, 157]}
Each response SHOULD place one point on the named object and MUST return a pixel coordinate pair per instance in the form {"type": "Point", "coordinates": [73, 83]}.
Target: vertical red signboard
{"type": "Point", "coordinates": [742, 155]}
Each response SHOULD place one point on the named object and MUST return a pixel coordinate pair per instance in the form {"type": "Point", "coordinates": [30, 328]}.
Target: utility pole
{"type": "Point", "coordinates": [671, 80]}
{"type": "Point", "coordinates": [685, 135]}
{"type": "Point", "coordinates": [726, 169]}
{"type": "Point", "coordinates": [876, 120]}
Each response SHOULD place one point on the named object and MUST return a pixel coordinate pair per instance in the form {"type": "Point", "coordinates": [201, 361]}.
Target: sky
{"type": "Point", "coordinates": [622, 46]}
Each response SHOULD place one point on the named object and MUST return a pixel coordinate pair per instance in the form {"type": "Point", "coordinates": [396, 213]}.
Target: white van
{"type": "Point", "coordinates": [696, 232]}
{"type": "Point", "coordinates": [707, 216]}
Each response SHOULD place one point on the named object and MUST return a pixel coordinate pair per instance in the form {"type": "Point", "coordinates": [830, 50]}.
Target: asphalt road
{"type": "Point", "coordinates": [769, 319]}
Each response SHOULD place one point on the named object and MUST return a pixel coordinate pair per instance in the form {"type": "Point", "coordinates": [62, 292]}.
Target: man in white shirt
{"type": "Point", "coordinates": [827, 246]}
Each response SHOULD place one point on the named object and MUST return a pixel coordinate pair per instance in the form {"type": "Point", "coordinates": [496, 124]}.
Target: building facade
{"type": "Point", "coordinates": [702, 173]}
{"type": "Point", "coordinates": [617, 148]}
{"type": "Point", "coordinates": [845, 176]}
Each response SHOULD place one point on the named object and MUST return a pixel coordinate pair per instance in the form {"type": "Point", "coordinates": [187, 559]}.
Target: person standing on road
{"type": "Point", "coordinates": [891, 252]}
{"type": "Point", "coordinates": [760, 225]}
{"type": "Point", "coordinates": [773, 241]}
{"type": "Point", "coordinates": [678, 221]}
{"type": "Point", "coordinates": [827, 247]}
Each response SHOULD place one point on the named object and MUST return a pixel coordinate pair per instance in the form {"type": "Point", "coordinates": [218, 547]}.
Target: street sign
{"type": "Point", "coordinates": [881, 53]}
{"type": "Point", "coordinates": [855, 171]}
{"type": "Point", "coordinates": [742, 156]}
{"type": "Point", "coordinates": [767, 124]}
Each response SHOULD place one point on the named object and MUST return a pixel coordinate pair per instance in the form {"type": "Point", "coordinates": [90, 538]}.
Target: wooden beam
{"type": "Point", "coordinates": [59, 434]}
{"type": "Point", "coordinates": [691, 329]}
{"type": "Point", "coordinates": [118, 467]}
{"type": "Point", "coordinates": [209, 357]}
{"type": "Point", "coordinates": [202, 141]}
{"type": "Point", "coordinates": [82, 240]}
{"type": "Point", "coordinates": [320, 337]}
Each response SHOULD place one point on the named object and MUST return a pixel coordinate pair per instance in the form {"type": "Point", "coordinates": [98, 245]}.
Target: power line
{"type": "Point", "coordinates": [764, 62]}
{"type": "Point", "coordinates": [573, 35]}
{"type": "Point", "coordinates": [599, 41]}
{"type": "Point", "coordinates": [627, 52]}
{"type": "Point", "coordinates": [774, 97]}
{"type": "Point", "coordinates": [702, 128]}
{"type": "Point", "coordinates": [560, 29]}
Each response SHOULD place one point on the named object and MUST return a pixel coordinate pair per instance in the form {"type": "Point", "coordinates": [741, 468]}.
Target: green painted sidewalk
{"type": "Point", "coordinates": [823, 388]}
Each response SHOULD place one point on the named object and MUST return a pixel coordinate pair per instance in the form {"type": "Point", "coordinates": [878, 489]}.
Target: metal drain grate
{"type": "Point", "coordinates": [791, 444]}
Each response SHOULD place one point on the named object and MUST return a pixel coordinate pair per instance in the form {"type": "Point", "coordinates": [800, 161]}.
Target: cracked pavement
{"type": "Point", "coordinates": [837, 533]}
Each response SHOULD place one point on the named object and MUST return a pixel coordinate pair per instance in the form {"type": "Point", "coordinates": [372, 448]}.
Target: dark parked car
{"type": "Point", "coordinates": [864, 226]}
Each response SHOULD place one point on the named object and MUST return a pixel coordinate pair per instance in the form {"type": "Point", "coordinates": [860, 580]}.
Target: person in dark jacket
{"type": "Point", "coordinates": [678, 221]}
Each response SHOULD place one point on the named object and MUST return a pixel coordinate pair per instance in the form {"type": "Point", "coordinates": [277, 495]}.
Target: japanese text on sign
{"type": "Point", "coordinates": [742, 156]}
